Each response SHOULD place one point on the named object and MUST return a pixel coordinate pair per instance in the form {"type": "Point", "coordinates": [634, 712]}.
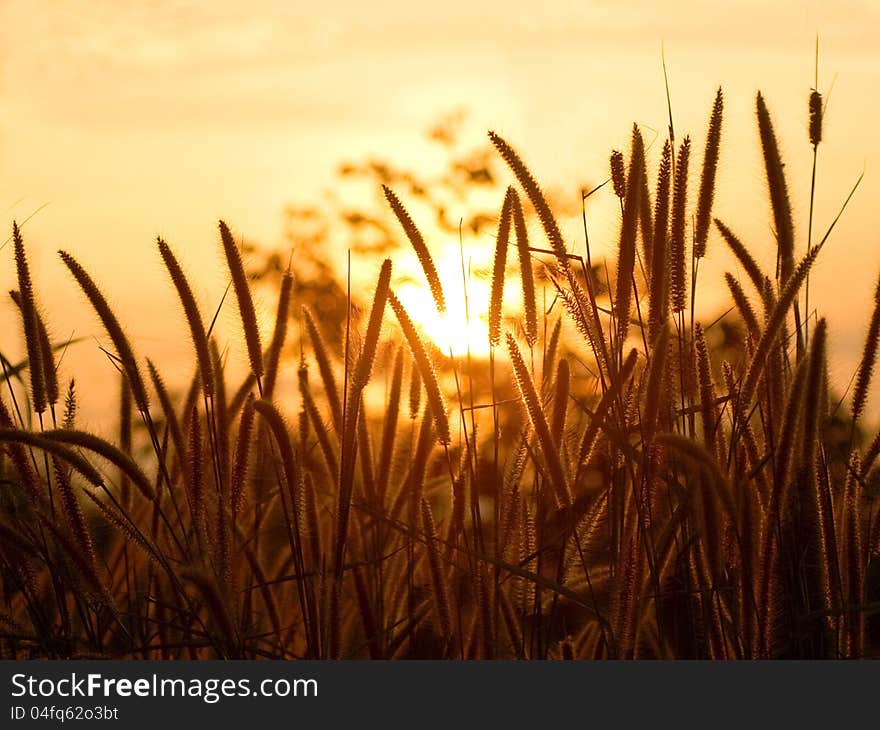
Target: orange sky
{"type": "Point", "coordinates": [149, 118]}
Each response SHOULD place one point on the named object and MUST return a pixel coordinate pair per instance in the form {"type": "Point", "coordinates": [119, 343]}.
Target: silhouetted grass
{"type": "Point", "coordinates": [631, 496]}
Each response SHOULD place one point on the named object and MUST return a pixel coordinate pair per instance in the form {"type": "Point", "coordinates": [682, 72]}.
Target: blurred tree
{"type": "Point", "coordinates": [463, 188]}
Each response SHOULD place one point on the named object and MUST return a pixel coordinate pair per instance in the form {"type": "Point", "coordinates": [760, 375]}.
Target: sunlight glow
{"type": "Point", "coordinates": [465, 324]}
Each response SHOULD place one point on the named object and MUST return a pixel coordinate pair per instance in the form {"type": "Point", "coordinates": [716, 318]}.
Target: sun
{"type": "Point", "coordinates": [464, 327]}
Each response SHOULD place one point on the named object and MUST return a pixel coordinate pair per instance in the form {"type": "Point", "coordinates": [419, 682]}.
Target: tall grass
{"type": "Point", "coordinates": [626, 494]}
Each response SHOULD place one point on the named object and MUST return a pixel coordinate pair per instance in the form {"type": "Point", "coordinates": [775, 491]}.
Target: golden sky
{"type": "Point", "coordinates": [137, 119]}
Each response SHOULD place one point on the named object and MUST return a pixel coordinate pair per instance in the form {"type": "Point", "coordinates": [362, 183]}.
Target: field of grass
{"type": "Point", "coordinates": [619, 478]}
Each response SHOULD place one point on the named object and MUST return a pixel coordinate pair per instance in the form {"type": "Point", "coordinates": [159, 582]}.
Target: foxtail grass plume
{"type": "Point", "coordinates": [415, 390]}
{"type": "Point", "coordinates": [371, 340]}
{"type": "Point", "coordinates": [325, 368]}
{"type": "Point", "coordinates": [168, 411]}
{"type": "Point", "coordinates": [196, 482]}
{"type": "Point", "coordinates": [778, 190]}
{"type": "Point", "coordinates": [618, 176]}
{"type": "Point", "coordinates": [29, 319]}
{"type": "Point", "coordinates": [419, 246]}
{"type": "Point", "coordinates": [70, 406]}
{"type": "Point", "coordinates": [708, 410]}
{"type": "Point", "coordinates": [560, 400]}
{"type": "Point", "coordinates": [47, 359]}
{"type": "Point", "coordinates": [678, 249]}
{"type": "Point", "coordinates": [193, 316]}
{"type": "Point", "coordinates": [114, 330]}
{"type": "Point", "coordinates": [389, 428]}
{"type": "Point", "coordinates": [438, 579]}
{"type": "Point", "coordinates": [743, 305]}
{"type": "Point", "coordinates": [646, 222]}
{"type": "Point", "coordinates": [242, 456]}
{"type": "Point", "coordinates": [812, 394]}
{"type": "Point", "coordinates": [869, 356]}
{"type": "Point", "coordinates": [742, 254]}
{"type": "Point", "coordinates": [539, 422]}
{"type": "Point", "coordinates": [658, 295]}
{"type": "Point", "coordinates": [245, 301]}
{"type": "Point", "coordinates": [527, 278]}
{"type": "Point", "coordinates": [707, 177]}
{"type": "Point", "coordinates": [425, 368]}
{"type": "Point", "coordinates": [279, 334]}
{"type": "Point", "coordinates": [626, 255]}
{"type": "Point", "coordinates": [533, 191]}
{"type": "Point", "coordinates": [816, 113]}
{"type": "Point", "coordinates": [100, 447]}
{"type": "Point", "coordinates": [772, 327]}
{"type": "Point", "coordinates": [497, 292]}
